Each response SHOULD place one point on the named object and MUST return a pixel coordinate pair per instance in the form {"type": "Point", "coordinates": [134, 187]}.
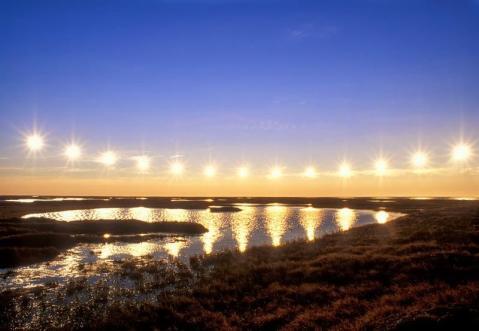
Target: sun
{"type": "Point", "coordinates": [108, 158]}
{"type": "Point", "coordinates": [420, 159]}
{"type": "Point", "coordinates": [243, 172]}
{"type": "Point", "coordinates": [72, 152]}
{"type": "Point", "coordinates": [209, 170]}
{"type": "Point", "coordinates": [345, 170]}
{"type": "Point", "coordinates": [35, 142]}
{"type": "Point", "coordinates": [461, 152]}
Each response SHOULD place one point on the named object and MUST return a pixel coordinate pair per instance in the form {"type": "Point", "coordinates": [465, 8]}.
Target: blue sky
{"type": "Point", "coordinates": [255, 80]}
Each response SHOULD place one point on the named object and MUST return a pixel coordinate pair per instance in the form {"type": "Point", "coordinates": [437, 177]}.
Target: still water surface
{"type": "Point", "coordinates": [254, 225]}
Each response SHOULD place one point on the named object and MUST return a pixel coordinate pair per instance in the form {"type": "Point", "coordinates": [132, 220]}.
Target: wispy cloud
{"type": "Point", "coordinates": [310, 30]}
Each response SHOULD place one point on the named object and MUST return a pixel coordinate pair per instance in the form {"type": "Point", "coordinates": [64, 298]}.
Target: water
{"type": "Point", "coordinates": [254, 225]}
{"type": "Point", "coordinates": [32, 200]}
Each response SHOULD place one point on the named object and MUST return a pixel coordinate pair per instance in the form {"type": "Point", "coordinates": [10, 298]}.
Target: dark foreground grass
{"type": "Point", "coordinates": [34, 240]}
{"type": "Point", "coordinates": [420, 272]}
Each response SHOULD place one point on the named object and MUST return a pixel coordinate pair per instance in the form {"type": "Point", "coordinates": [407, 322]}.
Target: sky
{"type": "Point", "coordinates": [230, 82]}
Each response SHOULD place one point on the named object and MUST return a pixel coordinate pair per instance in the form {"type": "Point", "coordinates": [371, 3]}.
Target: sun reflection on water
{"type": "Point", "coordinates": [310, 220]}
{"type": "Point", "coordinates": [141, 214]}
{"type": "Point", "coordinates": [174, 248]}
{"type": "Point", "coordinates": [136, 249]}
{"type": "Point", "coordinates": [212, 223]}
{"type": "Point", "coordinates": [176, 215]}
{"type": "Point", "coordinates": [345, 218]}
{"type": "Point", "coordinates": [105, 213]}
{"type": "Point", "coordinates": [70, 215]}
{"type": "Point", "coordinates": [242, 226]}
{"type": "Point", "coordinates": [381, 216]}
{"type": "Point", "coordinates": [276, 222]}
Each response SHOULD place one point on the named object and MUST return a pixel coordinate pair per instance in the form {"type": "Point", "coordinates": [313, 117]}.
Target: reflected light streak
{"type": "Point", "coordinates": [345, 218]}
{"type": "Point", "coordinates": [381, 216]}
{"type": "Point", "coordinates": [174, 248]}
{"type": "Point", "coordinates": [242, 226]}
{"type": "Point", "coordinates": [71, 215]}
{"type": "Point", "coordinates": [22, 200]}
{"type": "Point", "coordinates": [209, 238]}
{"type": "Point", "coordinates": [310, 220]}
{"type": "Point", "coordinates": [141, 249]}
{"type": "Point", "coordinates": [141, 214]}
{"type": "Point", "coordinates": [176, 215]}
{"type": "Point", "coordinates": [276, 223]}
{"type": "Point", "coordinates": [136, 250]}
{"type": "Point", "coordinates": [104, 213]}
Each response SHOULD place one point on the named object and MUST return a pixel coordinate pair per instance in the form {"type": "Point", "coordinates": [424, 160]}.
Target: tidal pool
{"type": "Point", "coordinates": [254, 225]}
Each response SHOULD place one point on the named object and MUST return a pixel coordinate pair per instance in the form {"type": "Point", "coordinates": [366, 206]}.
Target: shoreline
{"type": "Point", "coordinates": [15, 209]}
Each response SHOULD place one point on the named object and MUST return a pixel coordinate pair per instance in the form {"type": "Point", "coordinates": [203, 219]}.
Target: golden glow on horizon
{"type": "Point", "coordinates": [381, 167]}
{"type": "Point", "coordinates": [209, 171]}
{"type": "Point", "coordinates": [143, 163]}
{"type": "Point", "coordinates": [420, 159]}
{"type": "Point", "coordinates": [310, 172]}
{"type": "Point", "coordinates": [108, 158]}
{"type": "Point", "coordinates": [35, 142]}
{"type": "Point", "coordinates": [243, 172]}
{"type": "Point", "coordinates": [176, 168]}
{"type": "Point", "coordinates": [72, 152]}
{"type": "Point", "coordinates": [461, 152]}
{"type": "Point", "coordinates": [381, 216]}
{"type": "Point", "coordinates": [345, 170]}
